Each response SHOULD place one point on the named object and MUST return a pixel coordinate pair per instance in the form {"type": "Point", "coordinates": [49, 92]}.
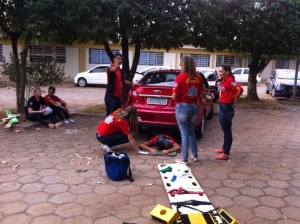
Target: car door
{"type": "Point", "coordinates": [270, 80]}
{"type": "Point", "coordinates": [238, 74]}
{"type": "Point", "coordinates": [97, 75]}
{"type": "Point", "coordinates": [245, 75]}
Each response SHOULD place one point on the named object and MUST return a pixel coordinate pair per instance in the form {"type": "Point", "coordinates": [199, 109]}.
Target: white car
{"type": "Point", "coordinates": [210, 74]}
{"type": "Point", "coordinates": [241, 75]}
{"type": "Point", "coordinates": [141, 74]}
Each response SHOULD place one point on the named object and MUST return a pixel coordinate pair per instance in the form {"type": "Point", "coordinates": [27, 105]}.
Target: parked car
{"type": "Point", "coordinates": [139, 75]}
{"type": "Point", "coordinates": [152, 96]}
{"type": "Point", "coordinates": [281, 83]}
{"type": "Point", "coordinates": [212, 77]}
{"type": "Point", "coordinates": [242, 74]}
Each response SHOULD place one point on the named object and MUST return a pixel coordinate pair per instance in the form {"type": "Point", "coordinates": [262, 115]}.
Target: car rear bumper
{"type": "Point", "coordinates": [157, 118]}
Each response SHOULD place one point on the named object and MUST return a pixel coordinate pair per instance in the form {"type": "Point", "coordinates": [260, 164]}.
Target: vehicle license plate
{"type": "Point", "coordinates": [157, 101]}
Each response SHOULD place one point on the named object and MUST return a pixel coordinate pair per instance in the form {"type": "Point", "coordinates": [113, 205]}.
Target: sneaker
{"type": "Point", "coordinates": [66, 122]}
{"type": "Point", "coordinates": [71, 121]}
{"type": "Point", "coordinates": [219, 151]}
{"type": "Point", "coordinates": [195, 159]}
{"type": "Point", "coordinates": [180, 161]}
{"type": "Point", "coordinates": [106, 148]}
{"type": "Point", "coordinates": [222, 157]}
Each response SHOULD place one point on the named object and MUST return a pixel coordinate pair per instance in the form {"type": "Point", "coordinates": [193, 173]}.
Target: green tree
{"type": "Point", "coordinates": [261, 29]}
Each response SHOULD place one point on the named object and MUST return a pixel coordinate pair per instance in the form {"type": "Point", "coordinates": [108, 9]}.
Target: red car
{"type": "Point", "coordinates": [152, 96]}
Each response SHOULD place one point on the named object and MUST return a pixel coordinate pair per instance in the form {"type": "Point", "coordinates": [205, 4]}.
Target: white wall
{"type": "Point", "coordinates": [72, 61]}
{"type": "Point", "coordinates": [267, 71]}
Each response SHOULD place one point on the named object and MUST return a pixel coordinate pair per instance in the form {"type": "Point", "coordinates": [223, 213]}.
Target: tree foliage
{"type": "Point", "coordinates": [261, 29]}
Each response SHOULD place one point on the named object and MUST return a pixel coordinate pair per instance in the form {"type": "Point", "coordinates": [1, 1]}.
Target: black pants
{"type": "Point", "coordinates": [62, 114]}
{"type": "Point", "coordinates": [113, 139]}
{"type": "Point", "coordinates": [112, 103]}
{"type": "Point", "coordinates": [41, 118]}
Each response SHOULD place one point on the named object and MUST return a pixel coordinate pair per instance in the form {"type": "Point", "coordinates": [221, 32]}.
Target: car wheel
{"type": "Point", "coordinates": [200, 129]}
{"type": "Point", "coordinates": [82, 82]}
{"type": "Point", "coordinates": [267, 91]}
{"type": "Point", "coordinates": [273, 92]}
{"type": "Point", "coordinates": [211, 113]}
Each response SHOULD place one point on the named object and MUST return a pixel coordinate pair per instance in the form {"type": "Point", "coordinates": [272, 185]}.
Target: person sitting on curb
{"type": "Point", "coordinates": [116, 128]}
{"type": "Point", "coordinates": [59, 107]}
{"type": "Point", "coordinates": [164, 142]}
{"type": "Point", "coordinates": [36, 109]}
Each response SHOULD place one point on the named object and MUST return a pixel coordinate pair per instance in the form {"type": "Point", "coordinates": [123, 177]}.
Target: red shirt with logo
{"type": "Point", "coordinates": [114, 82]}
{"type": "Point", "coordinates": [188, 90]}
{"type": "Point", "coordinates": [152, 141]}
{"type": "Point", "coordinates": [230, 90]}
{"type": "Point", "coordinates": [48, 98]}
{"type": "Point", "coordinates": [111, 125]}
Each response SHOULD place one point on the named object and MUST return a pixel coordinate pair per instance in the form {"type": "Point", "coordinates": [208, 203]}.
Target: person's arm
{"type": "Point", "coordinates": [174, 96]}
{"type": "Point", "coordinates": [132, 142]}
{"type": "Point", "coordinates": [146, 145]}
{"type": "Point", "coordinates": [31, 111]}
{"type": "Point", "coordinates": [175, 148]}
{"type": "Point", "coordinates": [65, 107]}
{"type": "Point", "coordinates": [114, 67]}
{"type": "Point", "coordinates": [126, 82]}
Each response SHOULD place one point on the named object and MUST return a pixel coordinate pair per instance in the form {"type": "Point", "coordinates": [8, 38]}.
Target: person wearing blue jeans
{"type": "Point", "coordinates": [187, 92]}
{"type": "Point", "coordinates": [229, 92]}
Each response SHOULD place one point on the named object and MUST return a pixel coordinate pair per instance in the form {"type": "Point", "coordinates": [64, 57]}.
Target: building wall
{"type": "Point", "coordinates": [72, 61]}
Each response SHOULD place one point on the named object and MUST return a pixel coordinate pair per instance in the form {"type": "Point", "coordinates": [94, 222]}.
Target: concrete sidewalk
{"type": "Point", "coordinates": [260, 184]}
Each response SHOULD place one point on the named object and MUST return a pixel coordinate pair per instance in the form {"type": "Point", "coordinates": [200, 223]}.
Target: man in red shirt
{"type": "Point", "coordinates": [115, 78]}
{"type": "Point", "coordinates": [59, 107]}
{"type": "Point", "coordinates": [164, 142]}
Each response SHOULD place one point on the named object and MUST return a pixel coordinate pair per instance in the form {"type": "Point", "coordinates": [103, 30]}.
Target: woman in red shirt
{"type": "Point", "coordinates": [187, 91]}
{"type": "Point", "coordinates": [116, 128]}
{"type": "Point", "coordinates": [229, 92]}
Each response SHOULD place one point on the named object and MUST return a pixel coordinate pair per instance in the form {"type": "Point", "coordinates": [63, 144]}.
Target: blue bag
{"type": "Point", "coordinates": [117, 165]}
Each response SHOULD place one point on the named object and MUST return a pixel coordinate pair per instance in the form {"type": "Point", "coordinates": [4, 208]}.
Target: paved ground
{"type": "Point", "coordinates": [260, 184]}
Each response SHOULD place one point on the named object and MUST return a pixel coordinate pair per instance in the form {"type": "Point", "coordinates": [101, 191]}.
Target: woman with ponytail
{"type": "Point", "coordinates": [116, 128]}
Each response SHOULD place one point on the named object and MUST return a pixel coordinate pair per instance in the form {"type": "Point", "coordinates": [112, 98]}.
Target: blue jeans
{"type": "Point", "coordinates": [113, 139]}
{"type": "Point", "coordinates": [112, 103]}
{"type": "Point", "coordinates": [226, 115]}
{"type": "Point", "coordinates": [186, 115]}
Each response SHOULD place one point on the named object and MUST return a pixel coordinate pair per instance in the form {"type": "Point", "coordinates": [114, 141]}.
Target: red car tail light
{"type": "Point", "coordinates": [134, 94]}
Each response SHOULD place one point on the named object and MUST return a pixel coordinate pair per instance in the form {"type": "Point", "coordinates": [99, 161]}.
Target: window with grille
{"type": "Point", "coordinates": [201, 60]}
{"type": "Point", "coordinates": [282, 64]}
{"type": "Point", "coordinates": [99, 56]}
{"type": "Point", "coordinates": [233, 61]}
{"type": "Point", "coordinates": [151, 58]}
{"type": "Point", "coordinates": [1, 53]}
{"type": "Point", "coordinates": [45, 53]}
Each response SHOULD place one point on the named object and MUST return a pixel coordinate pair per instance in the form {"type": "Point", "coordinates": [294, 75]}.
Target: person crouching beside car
{"type": "Point", "coordinates": [36, 108]}
{"type": "Point", "coordinates": [116, 128]}
{"type": "Point", "coordinates": [60, 107]}
{"type": "Point", "coordinates": [230, 91]}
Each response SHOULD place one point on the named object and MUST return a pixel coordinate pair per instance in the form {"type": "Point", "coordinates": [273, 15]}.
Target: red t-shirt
{"type": "Point", "coordinates": [230, 90]}
{"type": "Point", "coordinates": [48, 98]}
{"type": "Point", "coordinates": [111, 125]}
{"type": "Point", "coordinates": [152, 141]}
{"type": "Point", "coordinates": [114, 82]}
{"type": "Point", "coordinates": [188, 90]}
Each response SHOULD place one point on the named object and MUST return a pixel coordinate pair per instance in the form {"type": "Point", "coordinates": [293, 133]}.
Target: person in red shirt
{"type": "Point", "coordinates": [59, 107]}
{"type": "Point", "coordinates": [230, 91]}
{"type": "Point", "coordinates": [115, 78]}
{"type": "Point", "coordinates": [187, 92]}
{"type": "Point", "coordinates": [164, 142]}
{"type": "Point", "coordinates": [116, 128]}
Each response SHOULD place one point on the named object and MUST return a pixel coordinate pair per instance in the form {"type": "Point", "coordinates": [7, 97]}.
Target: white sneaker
{"type": "Point", "coordinates": [66, 122]}
{"type": "Point", "coordinates": [71, 121]}
{"type": "Point", "coordinates": [106, 148]}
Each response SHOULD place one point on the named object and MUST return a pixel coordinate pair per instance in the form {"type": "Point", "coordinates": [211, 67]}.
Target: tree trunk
{"type": "Point", "coordinates": [108, 50]}
{"type": "Point", "coordinates": [24, 54]}
{"type": "Point", "coordinates": [294, 96]}
{"type": "Point", "coordinates": [136, 58]}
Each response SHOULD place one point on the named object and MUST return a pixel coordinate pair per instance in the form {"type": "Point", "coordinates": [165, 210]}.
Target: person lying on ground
{"type": "Point", "coordinates": [116, 128]}
{"type": "Point", "coordinates": [36, 108]}
{"type": "Point", "coordinates": [59, 107]}
{"type": "Point", "coordinates": [164, 142]}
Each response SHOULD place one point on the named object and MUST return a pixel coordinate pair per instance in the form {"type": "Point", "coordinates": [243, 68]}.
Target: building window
{"type": "Point", "coordinates": [45, 53]}
{"type": "Point", "coordinates": [99, 56]}
{"type": "Point", "coordinates": [201, 60]}
{"type": "Point", "coordinates": [282, 64]}
{"type": "Point", "coordinates": [1, 53]}
{"type": "Point", "coordinates": [233, 61]}
{"type": "Point", "coordinates": [151, 58]}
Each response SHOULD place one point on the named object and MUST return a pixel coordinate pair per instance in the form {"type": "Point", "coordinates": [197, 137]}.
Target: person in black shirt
{"type": "Point", "coordinates": [36, 108]}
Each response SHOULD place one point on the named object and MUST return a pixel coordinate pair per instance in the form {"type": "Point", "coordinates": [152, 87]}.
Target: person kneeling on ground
{"type": "Point", "coordinates": [116, 128]}
{"type": "Point", "coordinates": [59, 107]}
{"type": "Point", "coordinates": [36, 109]}
{"type": "Point", "coordinates": [164, 142]}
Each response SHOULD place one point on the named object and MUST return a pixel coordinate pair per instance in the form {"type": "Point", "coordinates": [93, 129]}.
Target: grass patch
{"type": "Point", "coordinates": [261, 102]}
{"type": "Point", "coordinates": [98, 109]}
